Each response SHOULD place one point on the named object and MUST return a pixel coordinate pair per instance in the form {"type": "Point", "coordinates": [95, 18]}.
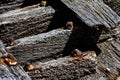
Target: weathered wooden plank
{"type": "Point", "coordinates": [39, 46]}
{"type": "Point", "coordinates": [94, 12]}
{"type": "Point", "coordinates": [114, 4]}
{"type": "Point", "coordinates": [10, 72]}
{"type": "Point", "coordinates": [13, 73]}
{"type": "Point", "coordinates": [7, 5]}
{"type": "Point", "coordinates": [109, 58]}
{"type": "Point", "coordinates": [63, 68]}
{"type": "Point", "coordinates": [25, 22]}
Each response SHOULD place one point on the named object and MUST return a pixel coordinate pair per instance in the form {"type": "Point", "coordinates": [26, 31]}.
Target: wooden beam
{"type": "Point", "coordinates": [25, 22]}
{"type": "Point", "coordinates": [6, 6]}
{"type": "Point", "coordinates": [40, 46]}
{"type": "Point", "coordinates": [10, 72]}
{"type": "Point", "coordinates": [13, 72]}
{"type": "Point", "coordinates": [64, 68]}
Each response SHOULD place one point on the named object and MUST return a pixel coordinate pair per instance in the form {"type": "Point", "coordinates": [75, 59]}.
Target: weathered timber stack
{"type": "Point", "coordinates": [25, 22]}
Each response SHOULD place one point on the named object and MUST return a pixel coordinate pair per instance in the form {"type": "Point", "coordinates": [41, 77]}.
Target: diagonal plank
{"type": "Point", "coordinates": [93, 12]}
{"type": "Point", "coordinates": [10, 72]}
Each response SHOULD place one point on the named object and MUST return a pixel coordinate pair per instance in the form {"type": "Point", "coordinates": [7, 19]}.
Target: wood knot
{"type": "Point", "coordinates": [78, 55]}
{"type": "Point", "coordinates": [10, 41]}
{"type": "Point", "coordinates": [11, 62]}
{"type": "Point", "coordinates": [43, 3]}
{"type": "Point", "coordinates": [76, 52]}
{"type": "Point", "coordinates": [69, 25]}
{"type": "Point", "coordinates": [8, 61]}
{"type": "Point", "coordinates": [30, 67]}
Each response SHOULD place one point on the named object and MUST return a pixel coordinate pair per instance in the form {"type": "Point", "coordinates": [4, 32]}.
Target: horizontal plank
{"type": "Point", "coordinates": [25, 21]}
{"type": "Point", "coordinates": [63, 68]}
{"type": "Point", "coordinates": [39, 46]}
{"type": "Point", "coordinates": [6, 5]}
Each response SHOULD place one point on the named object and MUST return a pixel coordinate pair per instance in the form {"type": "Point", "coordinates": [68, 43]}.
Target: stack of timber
{"type": "Point", "coordinates": [101, 34]}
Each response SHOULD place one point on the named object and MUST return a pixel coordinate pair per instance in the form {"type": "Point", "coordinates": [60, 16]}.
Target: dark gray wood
{"type": "Point", "coordinates": [109, 58]}
{"type": "Point", "coordinates": [114, 5]}
{"type": "Point", "coordinates": [93, 12]}
{"type": "Point", "coordinates": [25, 22]}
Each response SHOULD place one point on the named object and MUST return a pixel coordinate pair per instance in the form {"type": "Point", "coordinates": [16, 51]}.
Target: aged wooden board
{"type": "Point", "coordinates": [7, 5]}
{"type": "Point", "coordinates": [109, 57]}
{"type": "Point", "coordinates": [94, 12]}
{"type": "Point", "coordinates": [25, 22]}
{"type": "Point", "coordinates": [11, 72]}
{"type": "Point", "coordinates": [114, 4]}
{"type": "Point", "coordinates": [63, 69]}
{"type": "Point", "coordinates": [39, 46]}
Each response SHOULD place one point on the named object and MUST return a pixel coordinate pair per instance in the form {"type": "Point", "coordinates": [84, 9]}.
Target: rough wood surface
{"type": "Point", "coordinates": [13, 73]}
{"type": "Point", "coordinates": [7, 5]}
{"type": "Point", "coordinates": [94, 12]}
{"type": "Point", "coordinates": [8, 72]}
{"type": "Point", "coordinates": [25, 22]}
{"type": "Point", "coordinates": [63, 69]}
{"type": "Point", "coordinates": [109, 57]}
{"type": "Point", "coordinates": [39, 46]}
{"type": "Point", "coordinates": [114, 4]}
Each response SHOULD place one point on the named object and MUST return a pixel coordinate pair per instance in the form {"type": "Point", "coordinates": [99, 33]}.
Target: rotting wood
{"type": "Point", "coordinates": [39, 46]}
{"type": "Point", "coordinates": [25, 22]}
